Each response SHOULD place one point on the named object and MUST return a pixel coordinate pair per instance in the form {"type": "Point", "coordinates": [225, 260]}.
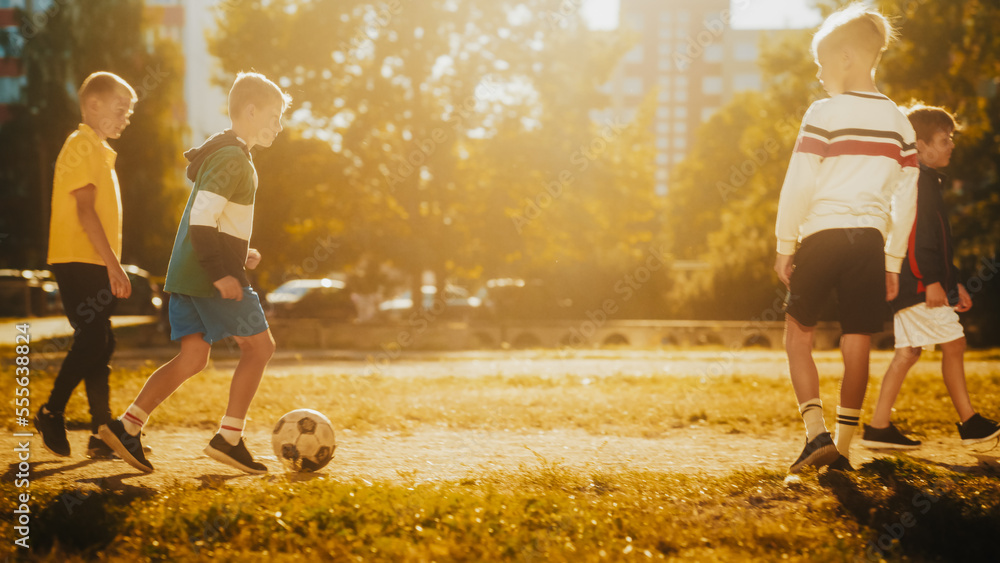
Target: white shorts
{"type": "Point", "coordinates": [921, 326]}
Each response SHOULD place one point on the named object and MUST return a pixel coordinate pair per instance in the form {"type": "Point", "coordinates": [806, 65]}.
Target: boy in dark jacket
{"type": "Point", "coordinates": [929, 295]}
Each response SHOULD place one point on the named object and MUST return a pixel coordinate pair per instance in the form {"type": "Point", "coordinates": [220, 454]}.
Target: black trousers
{"type": "Point", "coordinates": [88, 301]}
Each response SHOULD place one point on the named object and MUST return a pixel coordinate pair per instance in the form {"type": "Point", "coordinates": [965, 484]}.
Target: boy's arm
{"type": "Point", "coordinates": [798, 187]}
{"type": "Point", "coordinates": [91, 223]}
{"type": "Point", "coordinates": [903, 206]}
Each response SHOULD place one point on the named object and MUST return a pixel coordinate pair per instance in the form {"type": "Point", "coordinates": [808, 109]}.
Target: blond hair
{"type": "Point", "coordinates": [255, 88]}
{"type": "Point", "coordinates": [929, 120]}
{"type": "Point", "coordinates": [101, 84]}
{"type": "Point", "coordinates": [859, 27]}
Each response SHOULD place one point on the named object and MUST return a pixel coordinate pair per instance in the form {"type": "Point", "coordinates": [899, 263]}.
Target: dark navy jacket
{"type": "Point", "coordinates": [929, 253]}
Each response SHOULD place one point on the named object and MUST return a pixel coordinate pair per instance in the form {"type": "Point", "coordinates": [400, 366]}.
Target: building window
{"type": "Point", "coordinates": [682, 82]}
{"type": "Point", "coordinates": [662, 174]}
{"type": "Point", "coordinates": [680, 142]}
{"type": "Point", "coordinates": [747, 81]}
{"type": "Point", "coordinates": [680, 127]}
{"type": "Point", "coordinates": [745, 51]}
{"type": "Point", "coordinates": [662, 159]}
{"type": "Point", "coordinates": [665, 50]}
{"type": "Point", "coordinates": [635, 55]}
{"type": "Point", "coordinates": [662, 143]}
{"type": "Point", "coordinates": [707, 113]}
{"type": "Point", "coordinates": [666, 65]}
{"type": "Point", "coordinates": [635, 21]}
{"type": "Point", "coordinates": [663, 127]}
{"type": "Point", "coordinates": [711, 85]}
{"type": "Point", "coordinates": [663, 113]}
{"type": "Point", "coordinates": [664, 95]}
{"type": "Point", "coordinates": [666, 16]}
{"type": "Point", "coordinates": [661, 189]}
{"type": "Point", "coordinates": [632, 86]}
{"type": "Point", "coordinates": [713, 53]}
{"type": "Point", "coordinates": [681, 112]}
{"type": "Point", "coordinates": [666, 33]}
{"type": "Point", "coordinates": [680, 95]}
{"type": "Point", "coordinates": [665, 80]}
{"type": "Point", "coordinates": [678, 156]}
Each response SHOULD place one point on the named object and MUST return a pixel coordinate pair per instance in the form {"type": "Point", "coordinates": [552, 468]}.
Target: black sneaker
{"type": "Point", "coordinates": [819, 452]}
{"type": "Point", "coordinates": [52, 427]}
{"type": "Point", "coordinates": [889, 438]}
{"type": "Point", "coordinates": [977, 429]}
{"type": "Point", "coordinates": [127, 446]}
{"type": "Point", "coordinates": [97, 449]}
{"type": "Point", "coordinates": [234, 456]}
{"type": "Point", "coordinates": [841, 464]}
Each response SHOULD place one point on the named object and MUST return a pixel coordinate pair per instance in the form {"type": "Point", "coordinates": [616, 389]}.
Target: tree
{"type": "Point", "coordinates": [450, 124]}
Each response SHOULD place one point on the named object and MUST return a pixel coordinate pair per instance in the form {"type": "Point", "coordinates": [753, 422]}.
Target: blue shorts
{"type": "Point", "coordinates": [216, 318]}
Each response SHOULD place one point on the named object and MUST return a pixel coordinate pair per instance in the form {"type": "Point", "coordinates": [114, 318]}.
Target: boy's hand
{"type": "Point", "coordinates": [964, 299]}
{"type": "Point", "coordinates": [229, 288]}
{"type": "Point", "coordinates": [935, 295]}
{"type": "Point", "coordinates": [783, 265]}
{"type": "Point", "coordinates": [121, 287]}
{"type": "Point", "coordinates": [253, 258]}
{"type": "Point", "coordinates": [891, 285]}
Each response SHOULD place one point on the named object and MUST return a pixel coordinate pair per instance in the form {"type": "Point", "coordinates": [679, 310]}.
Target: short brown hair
{"type": "Point", "coordinates": [255, 88]}
{"type": "Point", "coordinates": [858, 26]}
{"type": "Point", "coordinates": [928, 120]}
{"type": "Point", "coordinates": [101, 84]}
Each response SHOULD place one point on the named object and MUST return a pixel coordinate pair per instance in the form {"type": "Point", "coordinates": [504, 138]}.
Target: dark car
{"type": "Point", "coordinates": [28, 293]}
{"type": "Point", "coordinates": [146, 298]}
{"type": "Point", "coordinates": [316, 298]}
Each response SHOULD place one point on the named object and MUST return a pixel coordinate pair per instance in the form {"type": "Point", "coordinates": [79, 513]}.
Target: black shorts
{"type": "Point", "coordinates": [850, 261]}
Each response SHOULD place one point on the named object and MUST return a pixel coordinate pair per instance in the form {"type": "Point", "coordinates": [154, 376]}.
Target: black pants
{"type": "Point", "coordinates": [88, 301]}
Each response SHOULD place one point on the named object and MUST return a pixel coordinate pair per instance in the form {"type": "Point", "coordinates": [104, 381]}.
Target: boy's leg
{"type": "Point", "coordinates": [953, 369]}
{"type": "Point", "coordinates": [801, 366]}
{"type": "Point", "coordinates": [904, 359]}
{"type": "Point", "coordinates": [192, 358]}
{"type": "Point", "coordinates": [227, 446]}
{"type": "Point", "coordinates": [255, 352]}
{"type": "Point", "coordinates": [88, 303]}
{"type": "Point", "coordinates": [854, 348]}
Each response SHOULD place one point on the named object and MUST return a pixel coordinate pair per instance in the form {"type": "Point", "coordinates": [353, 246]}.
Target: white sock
{"type": "Point", "coordinates": [231, 429]}
{"type": "Point", "coordinates": [812, 416]}
{"type": "Point", "coordinates": [847, 425]}
{"type": "Point", "coordinates": [134, 419]}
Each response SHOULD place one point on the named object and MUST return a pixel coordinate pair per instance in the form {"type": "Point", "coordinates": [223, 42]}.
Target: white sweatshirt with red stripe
{"type": "Point", "coordinates": [854, 166]}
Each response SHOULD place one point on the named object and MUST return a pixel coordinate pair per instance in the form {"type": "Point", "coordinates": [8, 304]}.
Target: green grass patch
{"type": "Point", "coordinates": [890, 509]}
{"type": "Point", "coordinates": [621, 404]}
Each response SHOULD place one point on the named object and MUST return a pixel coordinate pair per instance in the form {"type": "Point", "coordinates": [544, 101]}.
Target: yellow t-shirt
{"type": "Point", "coordinates": [84, 159]}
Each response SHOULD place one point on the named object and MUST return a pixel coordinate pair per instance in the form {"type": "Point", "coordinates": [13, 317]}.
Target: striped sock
{"type": "Point", "coordinates": [812, 415]}
{"type": "Point", "coordinates": [134, 419]}
{"type": "Point", "coordinates": [232, 429]}
{"type": "Point", "coordinates": [847, 425]}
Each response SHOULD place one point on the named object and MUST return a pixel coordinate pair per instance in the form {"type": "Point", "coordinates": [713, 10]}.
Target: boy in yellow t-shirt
{"type": "Point", "coordinates": [85, 255]}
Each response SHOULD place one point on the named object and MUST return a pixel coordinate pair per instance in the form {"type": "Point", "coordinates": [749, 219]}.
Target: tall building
{"type": "Point", "coordinates": [695, 62]}
{"type": "Point", "coordinates": [11, 75]}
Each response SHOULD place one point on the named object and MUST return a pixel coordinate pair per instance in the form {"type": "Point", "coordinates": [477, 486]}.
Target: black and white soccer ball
{"type": "Point", "coordinates": [303, 440]}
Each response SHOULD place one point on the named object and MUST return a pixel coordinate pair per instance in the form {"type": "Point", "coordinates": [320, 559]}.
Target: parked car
{"type": "Point", "coordinates": [319, 298]}
{"type": "Point", "coordinates": [458, 304]}
{"type": "Point", "coordinates": [146, 298]}
{"type": "Point", "coordinates": [28, 293]}
{"type": "Point", "coordinates": [515, 299]}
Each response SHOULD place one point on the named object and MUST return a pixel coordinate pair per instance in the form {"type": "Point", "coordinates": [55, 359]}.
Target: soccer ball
{"type": "Point", "coordinates": [303, 439]}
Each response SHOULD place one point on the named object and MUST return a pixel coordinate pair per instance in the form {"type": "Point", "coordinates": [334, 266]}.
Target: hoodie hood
{"type": "Point", "coordinates": [198, 155]}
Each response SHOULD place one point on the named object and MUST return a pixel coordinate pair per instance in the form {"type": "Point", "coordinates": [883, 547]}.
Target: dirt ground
{"type": "Point", "coordinates": [448, 455]}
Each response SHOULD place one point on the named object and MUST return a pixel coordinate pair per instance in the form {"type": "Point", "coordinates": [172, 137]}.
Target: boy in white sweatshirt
{"type": "Point", "coordinates": [844, 215]}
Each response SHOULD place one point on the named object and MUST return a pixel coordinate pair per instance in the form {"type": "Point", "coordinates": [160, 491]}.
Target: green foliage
{"type": "Point", "coordinates": [887, 510]}
{"type": "Point", "coordinates": [72, 40]}
{"type": "Point", "coordinates": [461, 134]}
